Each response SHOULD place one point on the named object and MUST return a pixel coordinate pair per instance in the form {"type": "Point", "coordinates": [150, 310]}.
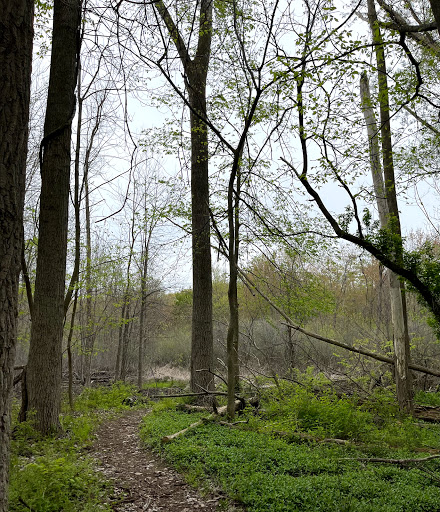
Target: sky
{"type": "Point", "coordinates": [144, 117]}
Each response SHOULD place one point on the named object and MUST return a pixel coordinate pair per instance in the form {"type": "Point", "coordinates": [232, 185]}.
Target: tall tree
{"type": "Point", "coordinates": [16, 35]}
{"type": "Point", "coordinates": [44, 364]}
{"type": "Point", "coordinates": [397, 293]}
{"type": "Point", "coordinates": [397, 290]}
{"type": "Point", "coordinates": [196, 71]}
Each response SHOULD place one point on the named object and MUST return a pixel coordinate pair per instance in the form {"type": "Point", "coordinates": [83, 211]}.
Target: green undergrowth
{"type": "Point", "coordinates": [164, 383]}
{"type": "Point", "coordinates": [276, 462]}
{"type": "Point", "coordinates": [53, 474]}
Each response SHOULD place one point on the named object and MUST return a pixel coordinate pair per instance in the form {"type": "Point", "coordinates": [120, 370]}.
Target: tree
{"type": "Point", "coordinates": [44, 364]}
{"type": "Point", "coordinates": [385, 244]}
{"type": "Point", "coordinates": [392, 222]}
{"type": "Point", "coordinates": [196, 71]}
{"type": "Point", "coordinates": [16, 35]}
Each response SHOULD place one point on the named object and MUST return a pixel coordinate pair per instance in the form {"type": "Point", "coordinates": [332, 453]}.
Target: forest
{"type": "Point", "coordinates": [220, 243]}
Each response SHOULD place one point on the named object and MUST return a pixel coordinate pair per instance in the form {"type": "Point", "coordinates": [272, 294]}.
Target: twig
{"type": "Point", "coordinates": [21, 500]}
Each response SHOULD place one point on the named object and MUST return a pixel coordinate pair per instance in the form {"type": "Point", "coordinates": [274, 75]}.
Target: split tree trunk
{"type": "Point", "coordinates": [16, 35]}
{"type": "Point", "coordinates": [397, 292]}
{"type": "Point", "coordinates": [44, 365]}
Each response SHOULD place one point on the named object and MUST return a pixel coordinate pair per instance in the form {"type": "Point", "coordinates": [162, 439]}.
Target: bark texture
{"type": "Point", "coordinates": [16, 34]}
{"type": "Point", "coordinates": [202, 333]}
{"type": "Point", "coordinates": [397, 292]}
{"type": "Point", "coordinates": [196, 71]}
{"type": "Point", "coordinates": [45, 364]}
{"type": "Point", "coordinates": [435, 6]}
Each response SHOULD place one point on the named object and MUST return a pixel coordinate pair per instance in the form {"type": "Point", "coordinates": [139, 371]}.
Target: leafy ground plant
{"type": "Point", "coordinates": [53, 474]}
{"type": "Point", "coordinates": [265, 472]}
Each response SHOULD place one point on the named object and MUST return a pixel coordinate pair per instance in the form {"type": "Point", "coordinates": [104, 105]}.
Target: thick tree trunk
{"type": "Point", "coordinates": [202, 333]}
{"type": "Point", "coordinates": [397, 292]}
{"type": "Point", "coordinates": [16, 35]}
{"type": "Point", "coordinates": [196, 71]}
{"type": "Point", "coordinates": [45, 364]}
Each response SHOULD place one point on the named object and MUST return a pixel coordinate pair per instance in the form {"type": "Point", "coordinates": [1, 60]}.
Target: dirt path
{"type": "Point", "coordinates": [142, 481]}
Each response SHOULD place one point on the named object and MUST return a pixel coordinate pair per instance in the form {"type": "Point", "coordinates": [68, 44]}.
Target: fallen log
{"type": "Point", "coordinates": [191, 408]}
{"type": "Point", "coordinates": [427, 413]}
{"type": "Point", "coordinates": [310, 437]}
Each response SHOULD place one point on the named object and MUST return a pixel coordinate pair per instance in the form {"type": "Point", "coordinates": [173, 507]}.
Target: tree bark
{"type": "Point", "coordinates": [16, 35]}
{"type": "Point", "coordinates": [374, 153]}
{"type": "Point", "coordinates": [125, 343]}
{"type": "Point", "coordinates": [143, 311]}
{"type": "Point", "coordinates": [397, 292]}
{"type": "Point", "coordinates": [90, 328]}
{"type": "Point", "coordinates": [202, 331]}
{"type": "Point", "coordinates": [69, 350]}
{"type": "Point", "coordinates": [45, 352]}
{"type": "Point", "coordinates": [196, 71]}
{"type": "Point", "coordinates": [234, 245]}
{"type": "Point", "coordinates": [435, 6]}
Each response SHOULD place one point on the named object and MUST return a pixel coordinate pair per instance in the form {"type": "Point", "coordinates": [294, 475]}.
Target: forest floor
{"type": "Point", "coordinates": [142, 481]}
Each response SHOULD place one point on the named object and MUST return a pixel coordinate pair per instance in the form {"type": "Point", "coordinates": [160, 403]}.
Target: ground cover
{"type": "Point", "coordinates": [55, 473]}
{"type": "Point", "coordinates": [308, 452]}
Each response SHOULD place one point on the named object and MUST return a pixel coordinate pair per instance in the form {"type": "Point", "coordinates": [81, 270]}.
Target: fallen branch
{"type": "Point", "coordinates": [221, 411]}
{"type": "Point", "coordinates": [427, 413]}
{"type": "Point", "coordinates": [310, 437]}
{"type": "Point", "coordinates": [227, 424]}
{"type": "Point", "coordinates": [361, 351]}
{"type": "Point", "coordinates": [192, 408]}
{"type": "Point", "coordinates": [400, 462]}
{"type": "Point", "coordinates": [178, 395]}
{"type": "Point", "coordinates": [168, 439]}
{"type": "Point", "coordinates": [289, 322]}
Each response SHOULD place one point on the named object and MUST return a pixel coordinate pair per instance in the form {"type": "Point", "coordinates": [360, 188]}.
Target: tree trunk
{"type": "Point", "coordinates": [90, 337]}
{"type": "Point", "coordinates": [202, 332]}
{"type": "Point", "coordinates": [196, 71]}
{"type": "Point", "coordinates": [144, 295]}
{"type": "Point", "coordinates": [69, 350]}
{"type": "Point", "coordinates": [90, 328]}
{"type": "Point", "coordinates": [435, 6]}
{"type": "Point", "coordinates": [397, 293]}
{"type": "Point", "coordinates": [120, 341]}
{"type": "Point", "coordinates": [125, 343]}
{"type": "Point", "coordinates": [45, 364]}
{"type": "Point", "coordinates": [234, 243]}
{"type": "Point", "coordinates": [373, 140]}
{"type": "Point", "coordinates": [16, 35]}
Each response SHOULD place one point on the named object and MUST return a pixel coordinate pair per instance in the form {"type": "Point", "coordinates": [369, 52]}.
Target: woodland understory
{"type": "Point", "coordinates": [238, 201]}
